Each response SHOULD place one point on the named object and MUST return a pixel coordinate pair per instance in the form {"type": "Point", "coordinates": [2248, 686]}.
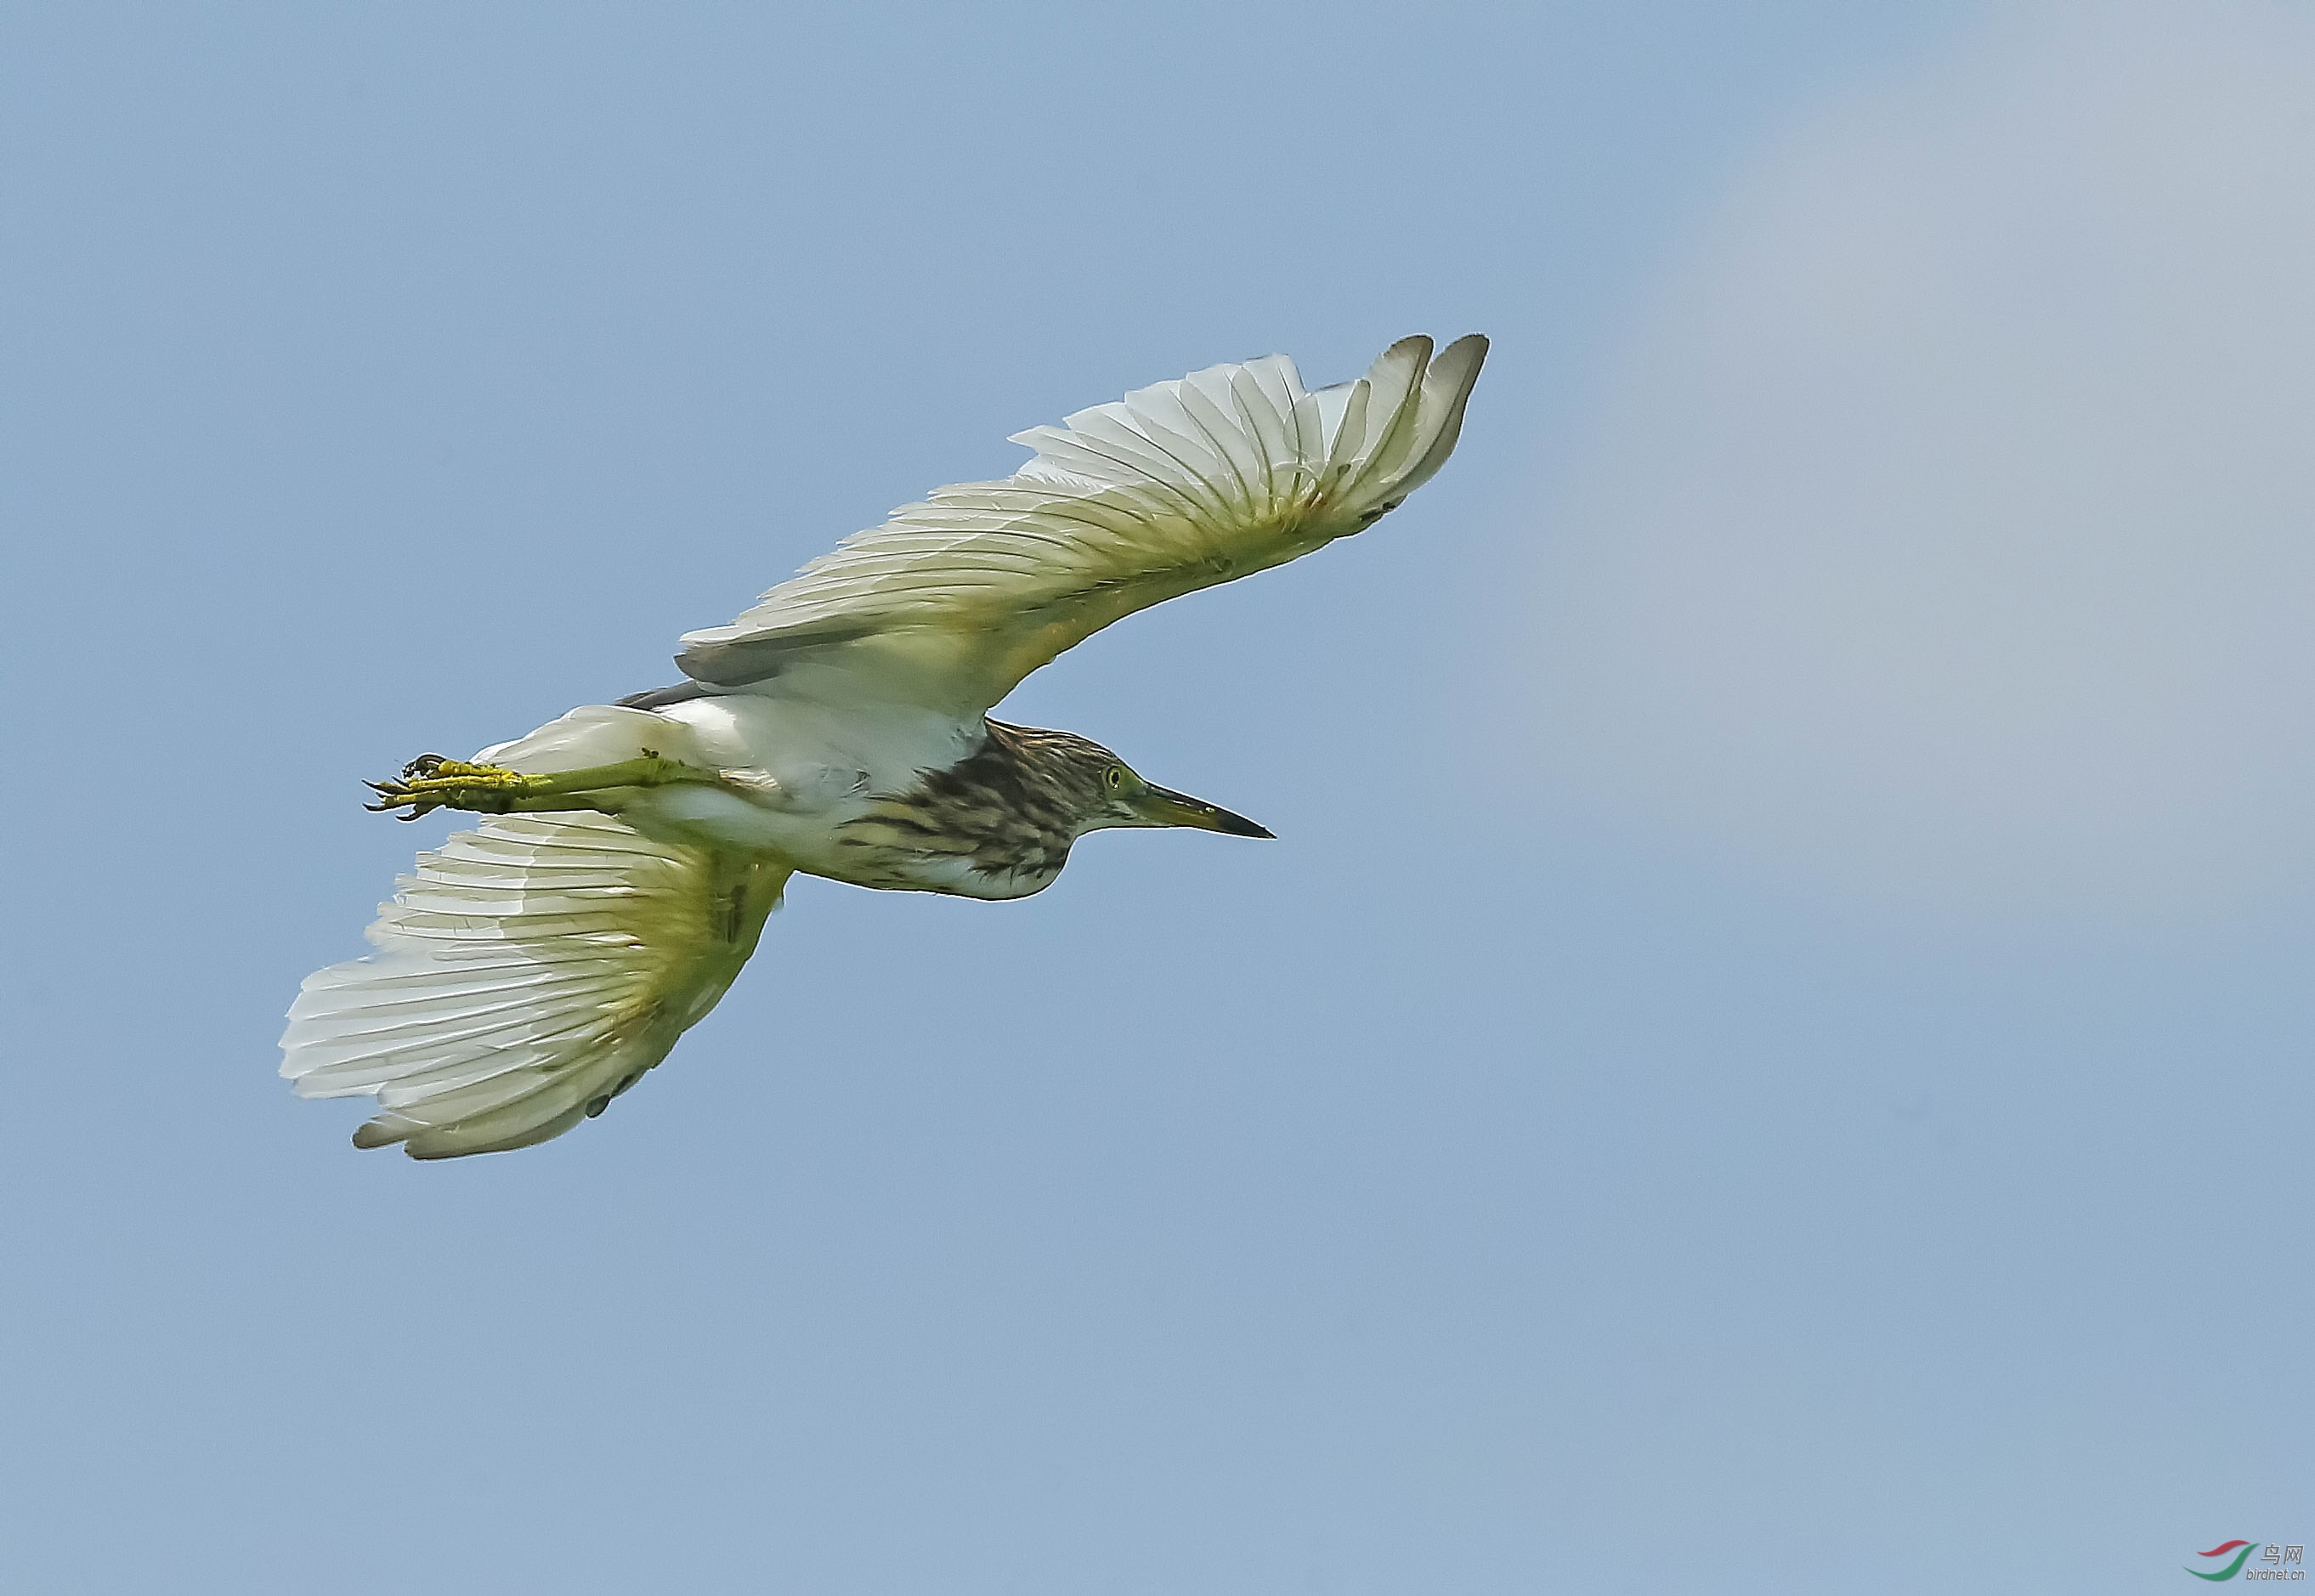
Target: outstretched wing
{"type": "Point", "coordinates": [530, 971]}
{"type": "Point", "coordinates": [1176, 487]}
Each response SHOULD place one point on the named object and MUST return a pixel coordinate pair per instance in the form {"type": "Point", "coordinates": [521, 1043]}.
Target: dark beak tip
{"type": "Point", "coordinates": [1178, 809]}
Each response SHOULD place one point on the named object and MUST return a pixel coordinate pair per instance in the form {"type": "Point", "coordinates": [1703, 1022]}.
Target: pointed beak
{"type": "Point", "coordinates": [1159, 806]}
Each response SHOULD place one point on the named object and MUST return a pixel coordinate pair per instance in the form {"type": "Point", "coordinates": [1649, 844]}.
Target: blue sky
{"type": "Point", "coordinates": [1771, 1054]}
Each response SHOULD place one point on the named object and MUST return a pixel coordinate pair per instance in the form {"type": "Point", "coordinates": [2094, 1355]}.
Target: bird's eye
{"type": "Point", "coordinates": [1117, 776]}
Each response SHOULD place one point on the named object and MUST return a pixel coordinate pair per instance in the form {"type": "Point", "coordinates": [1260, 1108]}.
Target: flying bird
{"type": "Point", "coordinates": [536, 967]}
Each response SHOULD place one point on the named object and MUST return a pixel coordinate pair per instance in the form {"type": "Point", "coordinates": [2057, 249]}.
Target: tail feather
{"type": "Point", "coordinates": [529, 973]}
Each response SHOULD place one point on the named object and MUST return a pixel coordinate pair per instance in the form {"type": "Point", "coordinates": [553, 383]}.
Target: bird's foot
{"type": "Point", "coordinates": [430, 781]}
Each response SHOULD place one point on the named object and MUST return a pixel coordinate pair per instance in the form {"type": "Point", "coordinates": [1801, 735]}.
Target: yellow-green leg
{"type": "Point", "coordinates": [430, 781]}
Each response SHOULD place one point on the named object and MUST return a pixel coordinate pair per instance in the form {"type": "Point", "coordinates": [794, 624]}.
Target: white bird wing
{"type": "Point", "coordinates": [1176, 487]}
{"type": "Point", "coordinates": [531, 971]}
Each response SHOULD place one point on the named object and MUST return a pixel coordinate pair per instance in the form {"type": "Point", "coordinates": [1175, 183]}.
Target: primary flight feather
{"type": "Point", "coordinates": [535, 968]}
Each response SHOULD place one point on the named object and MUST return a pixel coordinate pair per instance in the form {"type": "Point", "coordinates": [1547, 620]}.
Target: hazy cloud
{"type": "Point", "coordinates": [1951, 526]}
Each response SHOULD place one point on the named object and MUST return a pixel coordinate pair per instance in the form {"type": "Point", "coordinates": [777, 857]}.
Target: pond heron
{"type": "Point", "coordinates": [534, 969]}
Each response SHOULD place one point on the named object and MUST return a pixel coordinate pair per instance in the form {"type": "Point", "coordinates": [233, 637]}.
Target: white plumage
{"type": "Point", "coordinates": [530, 970]}
{"type": "Point", "coordinates": [1177, 486]}
{"type": "Point", "coordinates": [535, 967]}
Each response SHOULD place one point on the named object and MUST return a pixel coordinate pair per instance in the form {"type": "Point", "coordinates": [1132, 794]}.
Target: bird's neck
{"type": "Point", "coordinates": [1015, 785]}
{"type": "Point", "coordinates": [997, 823]}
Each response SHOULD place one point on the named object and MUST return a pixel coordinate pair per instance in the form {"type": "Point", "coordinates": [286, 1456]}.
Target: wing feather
{"type": "Point", "coordinates": [1175, 487]}
{"type": "Point", "coordinates": [527, 973]}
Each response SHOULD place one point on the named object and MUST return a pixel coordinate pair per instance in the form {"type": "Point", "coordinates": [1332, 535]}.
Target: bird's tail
{"type": "Point", "coordinates": [530, 971]}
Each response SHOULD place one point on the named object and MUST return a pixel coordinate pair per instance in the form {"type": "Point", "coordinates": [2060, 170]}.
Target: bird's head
{"type": "Point", "coordinates": [1103, 792]}
{"type": "Point", "coordinates": [1131, 801]}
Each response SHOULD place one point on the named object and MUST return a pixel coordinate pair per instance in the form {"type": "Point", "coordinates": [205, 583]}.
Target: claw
{"type": "Point", "coordinates": [430, 781]}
